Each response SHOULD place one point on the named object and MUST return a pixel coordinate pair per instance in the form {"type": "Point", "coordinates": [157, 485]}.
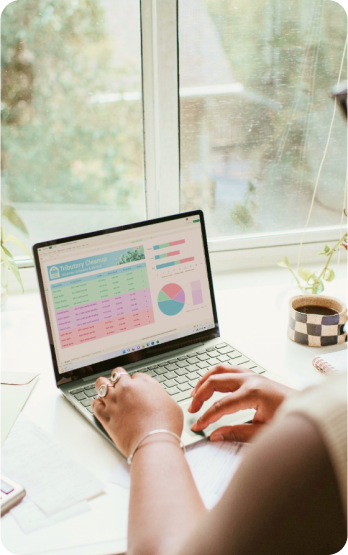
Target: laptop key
{"type": "Point", "coordinates": [90, 392]}
{"type": "Point", "coordinates": [170, 383]}
{"type": "Point", "coordinates": [77, 390]}
{"type": "Point", "coordinates": [225, 350]}
{"type": "Point", "coordinates": [160, 379]}
{"type": "Point", "coordinates": [193, 383]}
{"type": "Point", "coordinates": [181, 379]}
{"type": "Point", "coordinates": [80, 396]}
{"type": "Point", "coordinates": [192, 367]}
{"type": "Point", "coordinates": [249, 365]}
{"type": "Point", "coordinates": [204, 356]}
{"type": "Point", "coordinates": [181, 371]}
{"type": "Point", "coordinates": [173, 390]}
{"type": "Point", "coordinates": [242, 360]}
{"type": "Point", "coordinates": [193, 375]}
{"type": "Point", "coordinates": [182, 396]}
{"type": "Point", "coordinates": [184, 387]}
{"type": "Point", "coordinates": [223, 358]}
{"type": "Point", "coordinates": [183, 357]}
{"type": "Point", "coordinates": [221, 345]}
{"type": "Point", "coordinates": [182, 363]}
{"type": "Point", "coordinates": [193, 360]}
{"type": "Point", "coordinates": [202, 372]}
{"type": "Point", "coordinates": [214, 353]}
{"type": "Point", "coordinates": [150, 373]}
{"type": "Point", "coordinates": [90, 386]}
{"type": "Point", "coordinates": [153, 366]}
{"type": "Point", "coordinates": [170, 367]}
{"type": "Point", "coordinates": [258, 370]}
{"type": "Point", "coordinates": [170, 375]}
{"type": "Point", "coordinates": [160, 370]}
{"type": "Point", "coordinates": [90, 409]}
{"type": "Point", "coordinates": [235, 354]}
{"type": "Point", "coordinates": [203, 364]}
{"type": "Point", "coordinates": [86, 402]}
{"type": "Point", "coordinates": [213, 361]}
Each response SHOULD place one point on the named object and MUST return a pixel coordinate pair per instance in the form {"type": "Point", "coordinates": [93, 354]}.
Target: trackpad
{"type": "Point", "coordinates": [239, 417]}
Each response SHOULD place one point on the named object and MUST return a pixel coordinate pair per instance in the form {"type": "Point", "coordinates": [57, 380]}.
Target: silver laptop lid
{"type": "Point", "coordinates": [120, 295]}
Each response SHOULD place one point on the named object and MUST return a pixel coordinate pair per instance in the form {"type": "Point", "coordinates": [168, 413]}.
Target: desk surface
{"type": "Point", "coordinates": [253, 316]}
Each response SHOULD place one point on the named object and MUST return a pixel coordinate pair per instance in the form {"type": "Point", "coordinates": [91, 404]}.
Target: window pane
{"type": "Point", "coordinates": [255, 113]}
{"type": "Point", "coordinates": [72, 154]}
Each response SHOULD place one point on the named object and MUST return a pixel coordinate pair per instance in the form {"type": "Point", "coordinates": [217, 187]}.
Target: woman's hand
{"type": "Point", "coordinates": [133, 407]}
{"type": "Point", "coordinates": [246, 390]}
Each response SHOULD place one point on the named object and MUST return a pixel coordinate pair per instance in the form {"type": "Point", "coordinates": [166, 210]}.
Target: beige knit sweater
{"type": "Point", "coordinates": [326, 406]}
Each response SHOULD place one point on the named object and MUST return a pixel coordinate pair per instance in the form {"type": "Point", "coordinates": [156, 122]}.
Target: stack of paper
{"type": "Point", "coordinates": [212, 466]}
{"type": "Point", "coordinates": [56, 486]}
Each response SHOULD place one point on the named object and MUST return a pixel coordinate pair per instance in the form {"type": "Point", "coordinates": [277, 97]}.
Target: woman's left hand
{"type": "Point", "coordinates": [133, 407]}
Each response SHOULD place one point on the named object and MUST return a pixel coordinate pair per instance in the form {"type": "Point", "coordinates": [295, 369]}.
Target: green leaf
{"type": "Point", "coordinates": [284, 263]}
{"type": "Point", "coordinates": [318, 288]}
{"type": "Point", "coordinates": [7, 257]}
{"type": "Point", "coordinates": [305, 274]}
{"type": "Point", "coordinates": [10, 213]}
{"type": "Point", "coordinates": [15, 241]}
{"type": "Point", "coordinates": [329, 275]}
{"type": "Point", "coordinates": [326, 251]}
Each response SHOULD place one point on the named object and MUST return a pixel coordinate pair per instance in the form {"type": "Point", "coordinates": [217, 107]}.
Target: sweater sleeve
{"type": "Point", "coordinates": [326, 407]}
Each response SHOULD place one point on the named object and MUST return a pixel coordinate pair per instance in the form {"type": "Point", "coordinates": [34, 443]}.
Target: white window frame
{"type": "Point", "coordinates": [162, 140]}
{"type": "Point", "coordinates": [159, 43]}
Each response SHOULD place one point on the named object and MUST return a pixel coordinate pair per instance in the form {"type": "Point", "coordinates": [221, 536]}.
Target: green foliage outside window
{"type": "Point", "coordinates": [58, 146]}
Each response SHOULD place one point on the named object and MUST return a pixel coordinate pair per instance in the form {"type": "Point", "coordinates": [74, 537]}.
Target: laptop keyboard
{"type": "Point", "coordinates": [180, 375]}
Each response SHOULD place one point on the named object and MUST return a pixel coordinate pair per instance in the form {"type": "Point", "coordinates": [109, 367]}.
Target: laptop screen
{"type": "Point", "coordinates": [124, 291]}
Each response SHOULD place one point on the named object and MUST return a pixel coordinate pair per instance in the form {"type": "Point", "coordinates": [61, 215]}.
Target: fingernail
{"type": "Point", "coordinates": [189, 408]}
{"type": "Point", "coordinates": [217, 437]}
{"type": "Point", "coordinates": [194, 427]}
{"type": "Point", "coordinates": [193, 392]}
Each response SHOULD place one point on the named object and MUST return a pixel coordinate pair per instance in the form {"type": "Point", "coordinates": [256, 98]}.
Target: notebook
{"type": "Point", "coordinates": [331, 362]}
{"type": "Point", "coordinates": [139, 296]}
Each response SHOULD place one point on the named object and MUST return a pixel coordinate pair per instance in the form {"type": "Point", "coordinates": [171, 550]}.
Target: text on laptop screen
{"type": "Point", "coordinates": [117, 293]}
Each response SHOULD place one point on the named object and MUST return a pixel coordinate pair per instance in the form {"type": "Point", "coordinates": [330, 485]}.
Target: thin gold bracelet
{"type": "Point", "coordinates": [130, 458]}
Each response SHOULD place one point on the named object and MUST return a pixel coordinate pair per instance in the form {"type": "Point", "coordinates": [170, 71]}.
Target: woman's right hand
{"type": "Point", "coordinates": [246, 390]}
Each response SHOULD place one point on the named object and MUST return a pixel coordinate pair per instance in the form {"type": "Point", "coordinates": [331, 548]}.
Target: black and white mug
{"type": "Point", "coordinates": [317, 321]}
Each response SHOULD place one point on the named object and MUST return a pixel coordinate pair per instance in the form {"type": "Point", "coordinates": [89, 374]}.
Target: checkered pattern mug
{"type": "Point", "coordinates": [317, 321]}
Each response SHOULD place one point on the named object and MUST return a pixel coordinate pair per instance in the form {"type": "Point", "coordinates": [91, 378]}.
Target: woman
{"type": "Point", "coordinates": [288, 495]}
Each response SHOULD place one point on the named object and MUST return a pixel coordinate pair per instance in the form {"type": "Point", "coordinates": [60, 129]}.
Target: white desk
{"type": "Point", "coordinates": [253, 316]}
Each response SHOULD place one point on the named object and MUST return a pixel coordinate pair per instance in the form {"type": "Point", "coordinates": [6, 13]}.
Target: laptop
{"type": "Point", "coordinates": [139, 296]}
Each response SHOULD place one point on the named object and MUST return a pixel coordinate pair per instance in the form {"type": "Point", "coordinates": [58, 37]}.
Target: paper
{"type": "Point", "coordinates": [52, 480]}
{"type": "Point", "coordinates": [15, 390]}
{"type": "Point", "coordinates": [31, 518]}
{"type": "Point", "coordinates": [212, 466]}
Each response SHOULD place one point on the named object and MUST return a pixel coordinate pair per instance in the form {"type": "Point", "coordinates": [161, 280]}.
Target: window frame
{"type": "Point", "coordinates": [161, 149]}
{"type": "Point", "coordinates": [160, 67]}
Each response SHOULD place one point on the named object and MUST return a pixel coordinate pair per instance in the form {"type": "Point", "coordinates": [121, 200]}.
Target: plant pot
{"type": "Point", "coordinates": [4, 282]}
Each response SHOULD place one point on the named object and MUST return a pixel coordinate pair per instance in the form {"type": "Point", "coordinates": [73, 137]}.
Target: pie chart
{"type": "Point", "coordinates": [171, 299]}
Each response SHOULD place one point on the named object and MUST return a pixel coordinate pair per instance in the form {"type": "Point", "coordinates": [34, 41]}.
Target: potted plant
{"type": "Point", "coordinates": [310, 281]}
{"type": "Point", "coordinates": [7, 260]}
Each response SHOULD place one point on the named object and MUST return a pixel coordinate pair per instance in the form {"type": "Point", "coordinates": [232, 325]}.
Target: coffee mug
{"type": "Point", "coordinates": [317, 321]}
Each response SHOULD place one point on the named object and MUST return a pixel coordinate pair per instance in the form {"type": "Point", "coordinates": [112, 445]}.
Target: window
{"type": "Point", "coordinates": [222, 105]}
{"type": "Point", "coordinates": [255, 113]}
{"type": "Point", "coordinates": [72, 114]}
